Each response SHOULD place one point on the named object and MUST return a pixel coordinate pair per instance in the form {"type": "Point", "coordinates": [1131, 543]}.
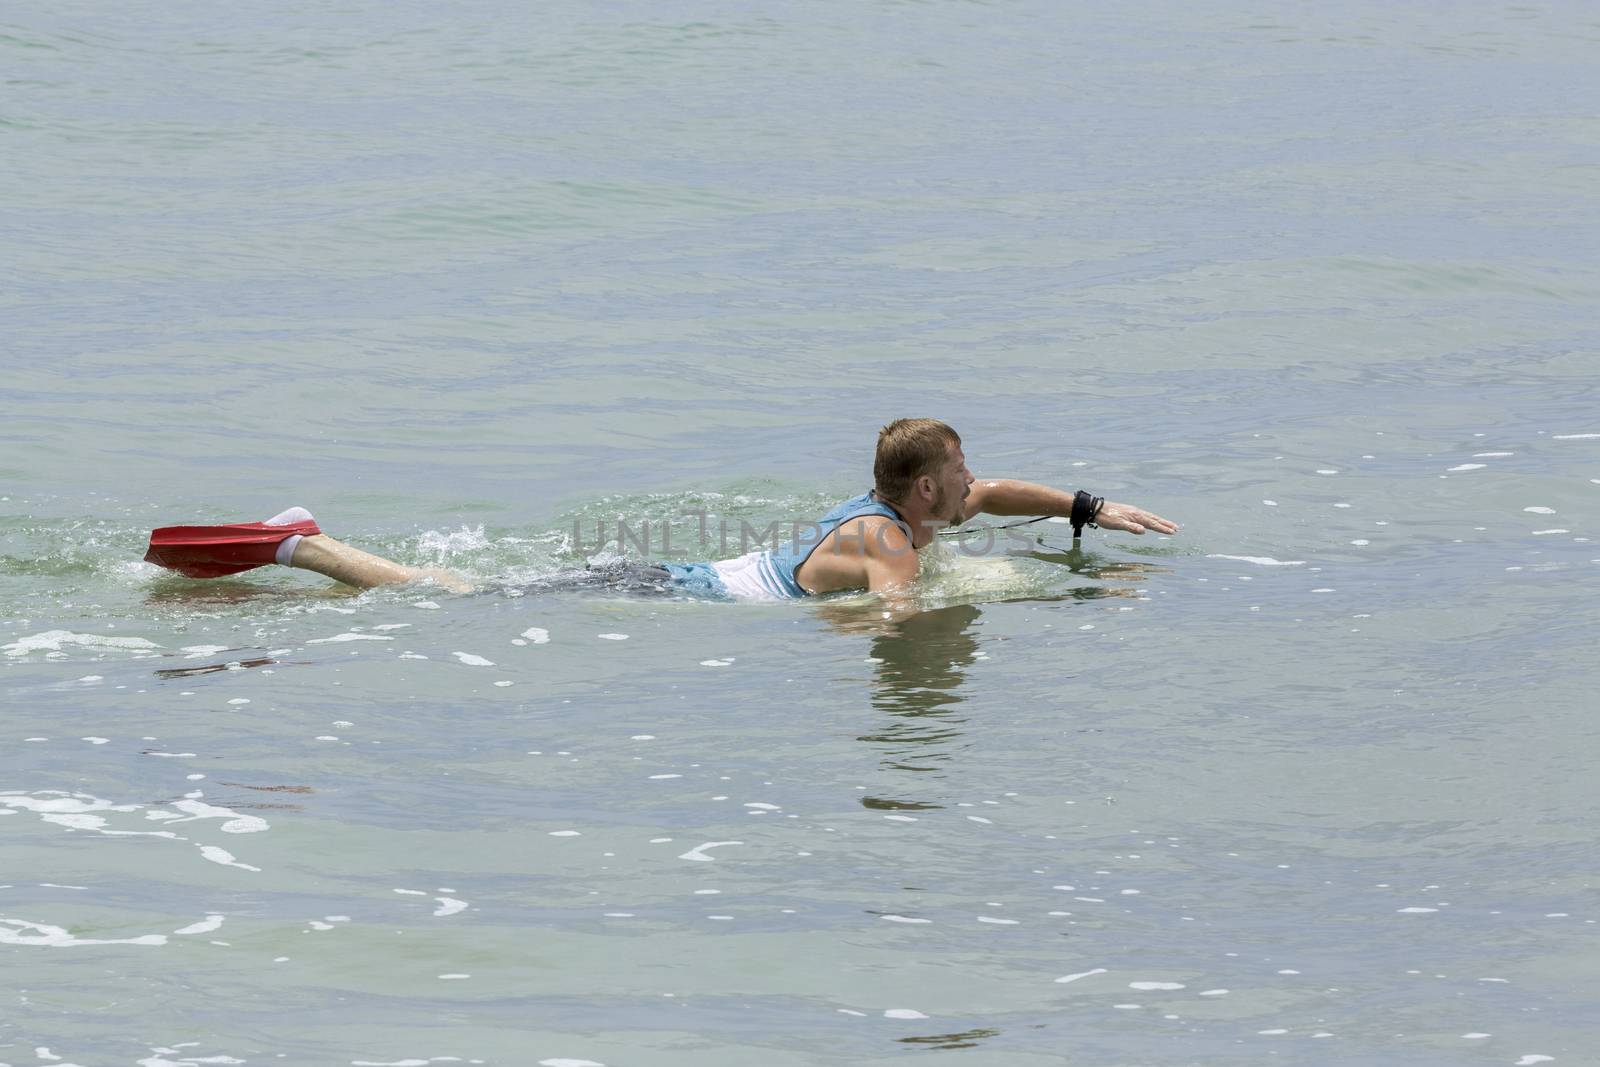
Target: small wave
{"type": "Point", "coordinates": [85, 813]}
{"type": "Point", "coordinates": [50, 641]}
{"type": "Point", "coordinates": [445, 545]}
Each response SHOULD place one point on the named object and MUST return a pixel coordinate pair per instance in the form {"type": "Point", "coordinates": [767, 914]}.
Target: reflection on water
{"type": "Point", "coordinates": [965, 1039]}
{"type": "Point", "coordinates": [244, 803]}
{"type": "Point", "coordinates": [884, 804]}
{"type": "Point", "coordinates": [1089, 565]}
{"type": "Point", "coordinates": [213, 668]}
{"type": "Point", "coordinates": [920, 659]}
{"type": "Point", "coordinates": [919, 665]}
{"type": "Point", "coordinates": [189, 594]}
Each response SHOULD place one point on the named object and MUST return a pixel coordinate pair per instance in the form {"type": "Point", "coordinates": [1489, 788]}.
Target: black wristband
{"type": "Point", "coordinates": [1085, 509]}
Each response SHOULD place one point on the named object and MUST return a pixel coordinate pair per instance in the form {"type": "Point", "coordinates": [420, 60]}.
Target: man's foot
{"type": "Point", "coordinates": [285, 555]}
{"type": "Point", "coordinates": [231, 548]}
{"type": "Point", "coordinates": [289, 517]}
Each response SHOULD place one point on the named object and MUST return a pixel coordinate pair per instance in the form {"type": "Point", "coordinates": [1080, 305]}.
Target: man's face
{"type": "Point", "coordinates": [953, 486]}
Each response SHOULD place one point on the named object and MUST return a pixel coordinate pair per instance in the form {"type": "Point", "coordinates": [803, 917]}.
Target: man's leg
{"type": "Point", "coordinates": [337, 560]}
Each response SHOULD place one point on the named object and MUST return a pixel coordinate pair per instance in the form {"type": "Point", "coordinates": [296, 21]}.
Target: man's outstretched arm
{"type": "Point", "coordinates": [1007, 496]}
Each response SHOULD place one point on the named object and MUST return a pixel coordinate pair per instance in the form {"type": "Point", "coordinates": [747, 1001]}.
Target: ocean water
{"type": "Point", "coordinates": [1308, 783]}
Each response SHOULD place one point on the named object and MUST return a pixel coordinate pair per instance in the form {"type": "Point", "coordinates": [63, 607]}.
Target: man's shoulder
{"type": "Point", "coordinates": [864, 537]}
{"type": "Point", "coordinates": [881, 529]}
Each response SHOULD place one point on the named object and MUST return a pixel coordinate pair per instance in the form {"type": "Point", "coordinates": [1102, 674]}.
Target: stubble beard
{"type": "Point", "coordinates": [942, 503]}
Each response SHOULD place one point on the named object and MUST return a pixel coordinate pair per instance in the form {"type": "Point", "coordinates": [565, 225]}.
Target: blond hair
{"type": "Point", "coordinates": [908, 449]}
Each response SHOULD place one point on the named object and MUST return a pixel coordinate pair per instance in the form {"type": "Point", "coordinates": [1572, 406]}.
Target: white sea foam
{"type": "Point", "coordinates": [471, 660]}
{"type": "Point", "coordinates": [224, 857]}
{"type": "Point", "coordinates": [1262, 561]}
{"type": "Point", "coordinates": [903, 1013]}
{"type": "Point", "coordinates": [23, 932]}
{"type": "Point", "coordinates": [74, 811]}
{"type": "Point", "coordinates": [81, 812]}
{"type": "Point", "coordinates": [236, 824]}
{"type": "Point", "coordinates": [698, 852]}
{"type": "Point", "coordinates": [1081, 974]}
{"type": "Point", "coordinates": [1152, 986]}
{"type": "Point", "coordinates": [1574, 436]}
{"type": "Point", "coordinates": [537, 635]}
{"type": "Point", "coordinates": [449, 906]}
{"type": "Point", "coordinates": [204, 926]}
{"type": "Point", "coordinates": [442, 544]}
{"type": "Point", "coordinates": [52, 640]}
{"type": "Point", "coordinates": [158, 1057]}
{"type": "Point", "coordinates": [342, 638]}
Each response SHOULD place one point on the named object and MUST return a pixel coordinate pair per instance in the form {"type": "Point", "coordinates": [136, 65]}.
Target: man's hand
{"type": "Point", "coordinates": [1131, 519]}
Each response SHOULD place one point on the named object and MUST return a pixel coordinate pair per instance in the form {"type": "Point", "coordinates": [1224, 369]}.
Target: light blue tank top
{"type": "Point", "coordinates": [780, 564]}
{"type": "Point", "coordinates": [770, 573]}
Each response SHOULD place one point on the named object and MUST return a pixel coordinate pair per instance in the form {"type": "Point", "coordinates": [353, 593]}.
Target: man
{"type": "Point", "coordinates": [921, 484]}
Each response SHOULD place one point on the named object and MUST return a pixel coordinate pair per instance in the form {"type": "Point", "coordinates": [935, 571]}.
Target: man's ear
{"type": "Point", "coordinates": [926, 487]}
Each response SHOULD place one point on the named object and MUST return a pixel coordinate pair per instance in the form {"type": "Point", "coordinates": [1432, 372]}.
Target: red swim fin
{"type": "Point", "coordinates": [214, 551]}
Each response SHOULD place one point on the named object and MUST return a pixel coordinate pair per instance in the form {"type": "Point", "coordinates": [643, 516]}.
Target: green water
{"type": "Point", "coordinates": [1305, 784]}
